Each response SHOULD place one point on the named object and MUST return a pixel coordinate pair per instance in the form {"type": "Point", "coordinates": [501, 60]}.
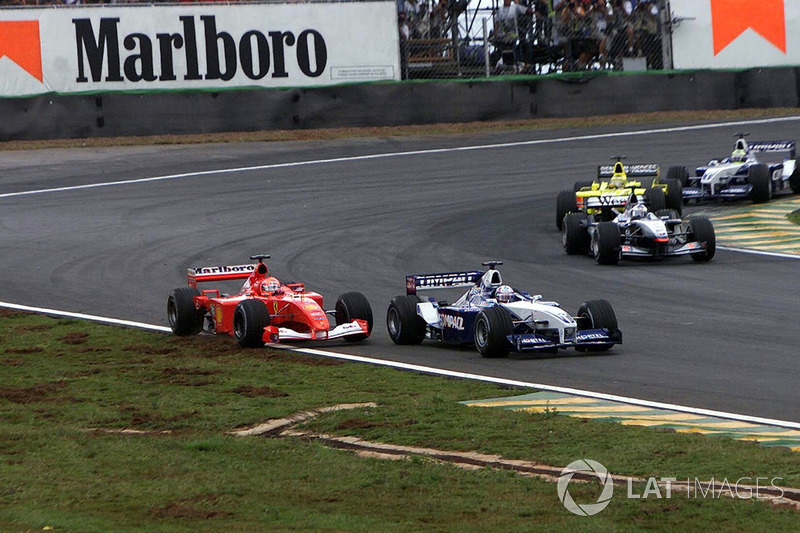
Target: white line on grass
{"type": "Point", "coordinates": [402, 154]}
{"type": "Point", "coordinates": [440, 371]}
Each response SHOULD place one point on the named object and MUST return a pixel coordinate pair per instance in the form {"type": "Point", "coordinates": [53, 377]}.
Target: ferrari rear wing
{"type": "Point", "coordinates": [633, 171]}
{"type": "Point", "coordinates": [771, 147]}
{"type": "Point", "coordinates": [219, 273]}
{"type": "Point", "coordinates": [446, 280]}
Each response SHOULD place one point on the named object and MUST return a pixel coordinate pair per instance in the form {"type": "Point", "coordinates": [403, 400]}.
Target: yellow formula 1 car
{"type": "Point", "coordinates": [607, 196]}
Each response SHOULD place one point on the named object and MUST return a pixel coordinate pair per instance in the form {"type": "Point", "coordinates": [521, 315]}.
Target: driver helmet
{"type": "Point", "coordinates": [637, 211]}
{"type": "Point", "coordinates": [739, 155]}
{"type": "Point", "coordinates": [270, 286]}
{"type": "Point", "coordinates": [504, 294]}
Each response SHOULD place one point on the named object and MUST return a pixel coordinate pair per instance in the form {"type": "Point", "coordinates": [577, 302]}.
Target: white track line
{"type": "Point", "coordinates": [440, 371]}
{"type": "Point", "coordinates": [404, 154]}
{"type": "Point", "coordinates": [758, 252]}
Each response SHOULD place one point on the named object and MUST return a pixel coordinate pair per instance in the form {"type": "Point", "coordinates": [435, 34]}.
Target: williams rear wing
{"type": "Point", "coordinates": [632, 171]}
{"type": "Point", "coordinates": [219, 273]}
{"type": "Point", "coordinates": [446, 280]}
{"type": "Point", "coordinates": [772, 147]}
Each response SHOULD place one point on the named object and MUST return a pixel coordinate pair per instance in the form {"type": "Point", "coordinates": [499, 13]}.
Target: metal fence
{"type": "Point", "coordinates": [461, 38]}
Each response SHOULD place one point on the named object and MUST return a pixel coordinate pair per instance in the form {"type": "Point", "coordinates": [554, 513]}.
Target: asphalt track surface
{"type": "Point", "coordinates": [722, 335]}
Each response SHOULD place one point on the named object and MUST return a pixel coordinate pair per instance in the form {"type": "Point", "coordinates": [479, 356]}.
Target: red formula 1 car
{"type": "Point", "coordinates": [265, 310]}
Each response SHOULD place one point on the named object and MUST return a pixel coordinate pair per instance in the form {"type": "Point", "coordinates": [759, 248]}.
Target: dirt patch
{"type": "Point", "coordinates": [183, 510]}
{"type": "Point", "coordinates": [139, 419]}
{"type": "Point", "coordinates": [32, 328]}
{"type": "Point", "coordinates": [284, 356]}
{"type": "Point", "coordinates": [11, 313]}
{"type": "Point", "coordinates": [148, 349]}
{"type": "Point", "coordinates": [187, 376]}
{"type": "Point", "coordinates": [13, 362]}
{"type": "Point", "coordinates": [259, 392]}
{"type": "Point", "coordinates": [42, 392]}
{"type": "Point", "coordinates": [77, 337]}
{"type": "Point", "coordinates": [91, 349]}
{"type": "Point", "coordinates": [22, 351]}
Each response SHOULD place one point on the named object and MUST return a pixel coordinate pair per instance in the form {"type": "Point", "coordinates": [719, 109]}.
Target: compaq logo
{"type": "Point", "coordinates": [19, 41]}
{"type": "Point", "coordinates": [254, 52]}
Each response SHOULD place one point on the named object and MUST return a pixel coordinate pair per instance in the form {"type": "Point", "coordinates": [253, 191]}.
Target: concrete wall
{"type": "Point", "coordinates": [55, 116]}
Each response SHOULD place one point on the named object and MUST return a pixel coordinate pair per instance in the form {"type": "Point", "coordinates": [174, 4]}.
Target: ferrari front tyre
{"type": "Point", "coordinates": [600, 315]}
{"type": "Point", "coordinates": [565, 203]}
{"type": "Point", "coordinates": [184, 318]}
{"type": "Point", "coordinates": [655, 199]}
{"type": "Point", "coordinates": [404, 324]}
{"type": "Point", "coordinates": [575, 236]}
{"type": "Point", "coordinates": [759, 177]}
{"type": "Point", "coordinates": [492, 327]}
{"type": "Point", "coordinates": [680, 174]}
{"type": "Point", "coordinates": [249, 320]}
{"type": "Point", "coordinates": [702, 230]}
{"type": "Point", "coordinates": [605, 243]}
{"type": "Point", "coordinates": [674, 195]}
{"type": "Point", "coordinates": [351, 306]}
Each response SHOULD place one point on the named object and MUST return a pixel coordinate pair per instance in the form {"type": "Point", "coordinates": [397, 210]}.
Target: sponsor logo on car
{"type": "Point", "coordinates": [452, 322]}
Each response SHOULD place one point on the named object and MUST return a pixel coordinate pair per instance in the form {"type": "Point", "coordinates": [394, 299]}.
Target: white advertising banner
{"type": "Point", "coordinates": [140, 48]}
{"type": "Point", "coordinates": [735, 33]}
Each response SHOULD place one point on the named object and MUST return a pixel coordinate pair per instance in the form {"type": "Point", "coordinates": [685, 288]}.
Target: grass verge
{"type": "Point", "coordinates": [67, 385]}
{"type": "Point", "coordinates": [794, 217]}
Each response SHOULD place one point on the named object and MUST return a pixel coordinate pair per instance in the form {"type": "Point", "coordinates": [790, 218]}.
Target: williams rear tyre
{"type": "Point", "coordinates": [759, 177]}
{"type": "Point", "coordinates": [655, 199]}
{"type": "Point", "coordinates": [674, 195]}
{"type": "Point", "coordinates": [605, 243]}
{"type": "Point", "coordinates": [565, 203]}
{"type": "Point", "coordinates": [404, 324]}
{"type": "Point", "coordinates": [575, 236]}
{"type": "Point", "coordinates": [680, 174]}
{"type": "Point", "coordinates": [794, 180]}
{"type": "Point", "coordinates": [599, 314]}
{"type": "Point", "coordinates": [702, 230]}
{"type": "Point", "coordinates": [249, 320]}
{"type": "Point", "coordinates": [351, 306]}
{"type": "Point", "coordinates": [184, 318]}
{"type": "Point", "coordinates": [492, 327]}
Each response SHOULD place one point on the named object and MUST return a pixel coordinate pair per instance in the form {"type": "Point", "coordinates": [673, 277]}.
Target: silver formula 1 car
{"type": "Point", "coordinates": [756, 171]}
{"type": "Point", "coordinates": [497, 318]}
{"type": "Point", "coordinates": [636, 232]}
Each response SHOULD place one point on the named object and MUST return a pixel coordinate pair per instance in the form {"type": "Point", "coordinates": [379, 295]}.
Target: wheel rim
{"type": "Point", "coordinates": [172, 314]}
{"type": "Point", "coordinates": [393, 322]}
{"type": "Point", "coordinates": [481, 332]}
{"type": "Point", "coordinates": [595, 245]}
{"type": "Point", "coordinates": [564, 236]}
{"type": "Point", "coordinates": [238, 324]}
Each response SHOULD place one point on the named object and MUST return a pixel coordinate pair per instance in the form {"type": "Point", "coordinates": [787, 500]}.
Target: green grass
{"type": "Point", "coordinates": [795, 217]}
{"type": "Point", "coordinates": [62, 380]}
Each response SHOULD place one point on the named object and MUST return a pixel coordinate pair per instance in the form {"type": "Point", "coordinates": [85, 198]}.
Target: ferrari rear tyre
{"type": "Point", "coordinates": [759, 177]}
{"type": "Point", "coordinates": [605, 243]}
{"type": "Point", "coordinates": [565, 203]}
{"type": "Point", "coordinates": [249, 320]}
{"type": "Point", "coordinates": [702, 230]}
{"type": "Point", "coordinates": [351, 306]}
{"type": "Point", "coordinates": [674, 195]}
{"type": "Point", "coordinates": [404, 324]}
{"type": "Point", "coordinates": [492, 327]}
{"type": "Point", "coordinates": [184, 318]}
{"type": "Point", "coordinates": [599, 314]}
{"type": "Point", "coordinates": [680, 174]}
{"type": "Point", "coordinates": [655, 199]}
{"type": "Point", "coordinates": [575, 236]}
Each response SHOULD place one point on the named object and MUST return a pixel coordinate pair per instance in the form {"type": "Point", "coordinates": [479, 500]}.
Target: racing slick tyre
{"type": "Point", "coordinates": [605, 243]}
{"type": "Point", "coordinates": [581, 184]}
{"type": "Point", "coordinates": [351, 306]}
{"type": "Point", "coordinates": [575, 237]}
{"type": "Point", "coordinates": [702, 230]}
{"type": "Point", "coordinates": [794, 180]}
{"type": "Point", "coordinates": [184, 319]}
{"type": "Point", "coordinates": [758, 176]}
{"type": "Point", "coordinates": [249, 320]}
{"type": "Point", "coordinates": [599, 314]}
{"type": "Point", "coordinates": [565, 203]}
{"type": "Point", "coordinates": [492, 326]}
{"type": "Point", "coordinates": [680, 174]}
{"type": "Point", "coordinates": [655, 199]}
{"type": "Point", "coordinates": [674, 196]}
{"type": "Point", "coordinates": [404, 324]}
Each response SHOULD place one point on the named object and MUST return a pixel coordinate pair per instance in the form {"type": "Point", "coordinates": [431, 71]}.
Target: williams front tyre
{"type": "Point", "coordinates": [492, 327]}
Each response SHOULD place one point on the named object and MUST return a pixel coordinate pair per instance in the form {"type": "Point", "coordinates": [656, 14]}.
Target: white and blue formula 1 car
{"type": "Point", "coordinates": [496, 317]}
{"type": "Point", "coordinates": [755, 171]}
